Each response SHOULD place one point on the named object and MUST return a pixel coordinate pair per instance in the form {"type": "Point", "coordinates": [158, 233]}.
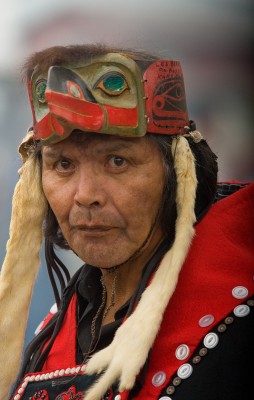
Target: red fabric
{"type": "Point", "coordinates": [221, 258]}
{"type": "Point", "coordinates": [63, 351]}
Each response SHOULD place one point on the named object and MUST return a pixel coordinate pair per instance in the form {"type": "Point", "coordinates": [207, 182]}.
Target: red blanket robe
{"type": "Point", "coordinates": [211, 301]}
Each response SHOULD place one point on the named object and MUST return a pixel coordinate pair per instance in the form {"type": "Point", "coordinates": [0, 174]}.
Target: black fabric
{"type": "Point", "coordinates": [226, 372]}
{"type": "Point", "coordinates": [89, 296]}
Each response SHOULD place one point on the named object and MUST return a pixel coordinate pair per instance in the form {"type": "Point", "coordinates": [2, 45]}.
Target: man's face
{"type": "Point", "coordinates": [105, 193]}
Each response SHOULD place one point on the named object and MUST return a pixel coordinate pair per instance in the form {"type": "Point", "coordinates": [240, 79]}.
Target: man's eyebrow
{"type": "Point", "coordinates": [113, 147]}
{"type": "Point", "coordinates": [51, 152]}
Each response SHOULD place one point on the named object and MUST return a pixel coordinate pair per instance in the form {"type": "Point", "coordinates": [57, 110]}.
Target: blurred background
{"type": "Point", "coordinates": [213, 39]}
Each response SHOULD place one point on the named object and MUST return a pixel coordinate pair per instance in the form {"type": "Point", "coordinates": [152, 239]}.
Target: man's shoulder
{"type": "Point", "coordinates": [225, 189]}
{"type": "Point", "coordinates": [234, 200]}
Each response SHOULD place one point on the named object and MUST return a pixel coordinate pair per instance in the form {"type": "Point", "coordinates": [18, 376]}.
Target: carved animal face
{"type": "Point", "coordinates": [104, 96]}
{"type": "Point", "coordinates": [110, 94]}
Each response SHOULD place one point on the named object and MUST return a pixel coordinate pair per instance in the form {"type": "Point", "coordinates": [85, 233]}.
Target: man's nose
{"type": "Point", "coordinates": [90, 190]}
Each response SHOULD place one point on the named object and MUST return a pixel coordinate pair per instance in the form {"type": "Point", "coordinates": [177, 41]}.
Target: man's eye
{"type": "Point", "coordinates": [112, 83]}
{"type": "Point", "coordinates": [64, 165]}
{"type": "Point", "coordinates": [116, 161]}
{"type": "Point", "coordinates": [40, 90]}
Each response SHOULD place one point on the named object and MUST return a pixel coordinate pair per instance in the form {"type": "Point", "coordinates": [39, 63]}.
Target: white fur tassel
{"type": "Point", "coordinates": [19, 270]}
{"type": "Point", "coordinates": [123, 359]}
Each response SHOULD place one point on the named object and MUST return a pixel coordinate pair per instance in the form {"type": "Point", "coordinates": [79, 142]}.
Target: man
{"type": "Point", "coordinates": [116, 172]}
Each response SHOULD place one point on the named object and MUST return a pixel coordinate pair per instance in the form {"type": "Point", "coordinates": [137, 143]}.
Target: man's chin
{"type": "Point", "coordinates": [106, 254]}
{"type": "Point", "coordinates": [111, 262]}
{"type": "Point", "coordinates": [103, 260]}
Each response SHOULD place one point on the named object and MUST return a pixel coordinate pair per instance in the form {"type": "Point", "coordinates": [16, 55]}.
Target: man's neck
{"type": "Point", "coordinates": [121, 282]}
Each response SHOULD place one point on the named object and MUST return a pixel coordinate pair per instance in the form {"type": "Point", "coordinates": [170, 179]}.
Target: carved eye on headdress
{"type": "Point", "coordinates": [112, 83]}
{"type": "Point", "coordinates": [40, 89]}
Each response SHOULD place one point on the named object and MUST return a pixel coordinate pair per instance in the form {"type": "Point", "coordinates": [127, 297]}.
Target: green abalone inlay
{"type": "Point", "coordinates": [114, 83]}
{"type": "Point", "coordinates": [40, 90]}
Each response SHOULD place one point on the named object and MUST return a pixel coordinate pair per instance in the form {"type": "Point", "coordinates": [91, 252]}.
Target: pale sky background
{"type": "Point", "coordinates": [197, 27]}
{"type": "Point", "coordinates": [213, 39]}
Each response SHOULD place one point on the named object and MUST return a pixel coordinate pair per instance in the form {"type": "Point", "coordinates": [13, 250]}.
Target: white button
{"type": "Point", "coordinates": [32, 378]}
{"type": "Point", "coordinates": [21, 390]}
{"type": "Point", "coordinates": [61, 372]}
{"type": "Point", "coordinates": [206, 320]}
{"type": "Point", "coordinates": [68, 370]}
{"type": "Point", "coordinates": [83, 368]}
{"type": "Point", "coordinates": [37, 378]}
{"type": "Point", "coordinates": [242, 310]}
{"type": "Point", "coordinates": [182, 352]}
{"type": "Point", "coordinates": [240, 292]}
{"type": "Point", "coordinates": [211, 340]}
{"type": "Point", "coordinates": [118, 397]}
{"type": "Point", "coordinates": [54, 309]}
{"type": "Point", "coordinates": [185, 371]}
{"type": "Point", "coordinates": [51, 375]}
{"type": "Point", "coordinates": [77, 370]}
{"type": "Point", "coordinates": [165, 398]}
{"type": "Point", "coordinates": [56, 373]}
{"type": "Point", "coordinates": [159, 378]}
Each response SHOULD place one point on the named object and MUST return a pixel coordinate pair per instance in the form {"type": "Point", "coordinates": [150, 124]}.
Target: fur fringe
{"type": "Point", "coordinates": [137, 334]}
{"type": "Point", "coordinates": [19, 269]}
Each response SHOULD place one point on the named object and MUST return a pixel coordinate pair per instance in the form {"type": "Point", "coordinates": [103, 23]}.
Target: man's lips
{"type": "Point", "coordinates": [92, 229]}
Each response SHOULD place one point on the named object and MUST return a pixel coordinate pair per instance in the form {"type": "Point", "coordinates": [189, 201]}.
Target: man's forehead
{"type": "Point", "coordinates": [103, 142]}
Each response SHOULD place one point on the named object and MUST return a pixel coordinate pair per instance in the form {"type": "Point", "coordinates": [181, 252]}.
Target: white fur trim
{"type": "Point", "coordinates": [19, 270]}
{"type": "Point", "coordinates": [123, 359]}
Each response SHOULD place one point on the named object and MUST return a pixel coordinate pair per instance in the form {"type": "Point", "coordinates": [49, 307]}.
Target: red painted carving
{"type": "Point", "coordinates": [166, 103]}
{"type": "Point", "coordinates": [70, 394]}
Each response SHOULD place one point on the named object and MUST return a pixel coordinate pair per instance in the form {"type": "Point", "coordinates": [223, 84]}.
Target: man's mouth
{"type": "Point", "coordinates": [93, 230]}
